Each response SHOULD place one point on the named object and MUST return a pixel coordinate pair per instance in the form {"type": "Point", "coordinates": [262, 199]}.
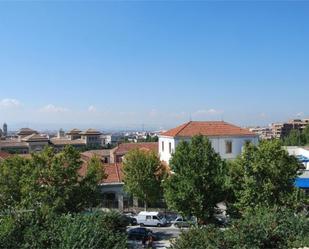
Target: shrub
{"type": "Point", "coordinates": [95, 231]}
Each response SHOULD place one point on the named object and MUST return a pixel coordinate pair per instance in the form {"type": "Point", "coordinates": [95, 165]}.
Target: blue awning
{"type": "Point", "coordinates": [302, 182]}
{"type": "Point", "coordinates": [303, 159]}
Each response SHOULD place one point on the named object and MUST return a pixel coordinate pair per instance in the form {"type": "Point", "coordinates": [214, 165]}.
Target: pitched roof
{"type": "Point", "coordinates": [64, 141]}
{"type": "Point", "coordinates": [26, 131]}
{"type": "Point", "coordinates": [99, 153]}
{"type": "Point", "coordinates": [13, 143]}
{"type": "Point", "coordinates": [112, 170]}
{"type": "Point", "coordinates": [207, 128]}
{"type": "Point", "coordinates": [74, 132]}
{"type": "Point", "coordinates": [91, 132]}
{"type": "Point", "coordinates": [114, 173]}
{"type": "Point", "coordinates": [126, 147]}
{"type": "Point", "coordinates": [35, 137]}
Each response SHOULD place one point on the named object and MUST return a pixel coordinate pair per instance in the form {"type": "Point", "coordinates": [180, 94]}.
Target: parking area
{"type": "Point", "coordinates": [163, 236]}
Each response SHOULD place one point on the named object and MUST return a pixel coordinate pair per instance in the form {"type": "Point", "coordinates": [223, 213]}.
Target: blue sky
{"type": "Point", "coordinates": [158, 63]}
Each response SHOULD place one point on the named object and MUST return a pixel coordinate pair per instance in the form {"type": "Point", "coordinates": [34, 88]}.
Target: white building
{"type": "Point", "coordinates": [227, 139]}
{"type": "Point", "coordinates": [302, 153]}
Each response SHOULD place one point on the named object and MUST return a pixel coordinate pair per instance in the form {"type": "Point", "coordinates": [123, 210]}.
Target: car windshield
{"type": "Point", "coordinates": [160, 216]}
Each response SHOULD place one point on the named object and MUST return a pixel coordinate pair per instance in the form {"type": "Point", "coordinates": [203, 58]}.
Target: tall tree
{"type": "Point", "coordinates": [197, 183]}
{"type": "Point", "coordinates": [141, 178]}
{"type": "Point", "coordinates": [264, 175]}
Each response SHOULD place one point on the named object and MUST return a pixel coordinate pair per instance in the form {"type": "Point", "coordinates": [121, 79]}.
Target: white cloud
{"type": "Point", "coordinates": [300, 114]}
{"type": "Point", "coordinates": [53, 109]}
{"type": "Point", "coordinates": [207, 112]}
{"type": "Point", "coordinates": [153, 113]}
{"type": "Point", "coordinates": [92, 109]}
{"type": "Point", "coordinates": [9, 103]}
{"type": "Point", "coordinates": [263, 115]}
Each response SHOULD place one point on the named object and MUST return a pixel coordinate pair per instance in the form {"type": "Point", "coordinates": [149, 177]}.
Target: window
{"type": "Point", "coordinates": [154, 217]}
{"type": "Point", "coordinates": [228, 147]}
{"type": "Point", "coordinates": [170, 147]}
{"type": "Point", "coordinates": [148, 217]}
{"type": "Point", "coordinates": [162, 146]}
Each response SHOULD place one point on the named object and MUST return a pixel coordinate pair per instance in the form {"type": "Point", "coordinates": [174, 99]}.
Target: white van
{"type": "Point", "coordinates": [150, 219]}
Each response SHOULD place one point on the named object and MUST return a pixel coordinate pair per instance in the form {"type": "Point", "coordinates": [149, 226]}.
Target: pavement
{"type": "Point", "coordinates": [164, 235]}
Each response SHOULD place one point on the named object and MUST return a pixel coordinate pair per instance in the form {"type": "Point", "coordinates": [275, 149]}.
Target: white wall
{"type": "Point", "coordinates": [165, 154]}
{"type": "Point", "coordinates": [298, 151]}
{"type": "Point", "coordinates": [218, 143]}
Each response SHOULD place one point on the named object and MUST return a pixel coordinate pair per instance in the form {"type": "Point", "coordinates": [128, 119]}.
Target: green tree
{"type": "Point", "coordinates": [89, 187]}
{"type": "Point", "coordinates": [49, 182]}
{"type": "Point", "coordinates": [197, 183]}
{"type": "Point", "coordinates": [294, 138]}
{"type": "Point", "coordinates": [260, 228]}
{"type": "Point", "coordinates": [93, 231]}
{"type": "Point", "coordinates": [141, 178]}
{"type": "Point", "coordinates": [306, 135]}
{"type": "Point", "coordinates": [264, 175]}
{"type": "Point", "coordinates": [12, 171]}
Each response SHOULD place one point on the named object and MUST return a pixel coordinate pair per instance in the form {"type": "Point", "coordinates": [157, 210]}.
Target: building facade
{"type": "Point", "coordinates": [29, 140]}
{"type": "Point", "coordinates": [226, 139]}
{"type": "Point", "coordinates": [281, 130]}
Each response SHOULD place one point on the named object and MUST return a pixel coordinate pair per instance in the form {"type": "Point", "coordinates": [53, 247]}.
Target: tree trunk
{"type": "Point", "coordinates": [145, 202]}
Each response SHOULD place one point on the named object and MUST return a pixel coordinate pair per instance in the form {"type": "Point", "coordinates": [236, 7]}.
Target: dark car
{"type": "Point", "coordinates": [129, 220]}
{"type": "Point", "coordinates": [140, 233]}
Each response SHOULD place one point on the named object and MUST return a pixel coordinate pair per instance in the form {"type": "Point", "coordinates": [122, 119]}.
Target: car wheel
{"type": "Point", "coordinates": [159, 225]}
{"type": "Point", "coordinates": [142, 224]}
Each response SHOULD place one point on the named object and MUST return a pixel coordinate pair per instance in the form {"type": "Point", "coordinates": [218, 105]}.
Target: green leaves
{"type": "Point", "coordinates": [198, 180]}
{"type": "Point", "coordinates": [259, 228]}
{"type": "Point", "coordinates": [263, 175]}
{"type": "Point", "coordinates": [92, 231]}
{"type": "Point", "coordinates": [142, 176]}
{"type": "Point", "coordinates": [297, 138]}
{"type": "Point", "coordinates": [49, 182]}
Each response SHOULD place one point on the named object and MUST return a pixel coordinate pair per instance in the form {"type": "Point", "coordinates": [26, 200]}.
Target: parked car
{"type": "Point", "coordinates": [151, 219]}
{"type": "Point", "coordinates": [170, 216]}
{"type": "Point", "coordinates": [140, 233]}
{"type": "Point", "coordinates": [183, 222]}
{"type": "Point", "coordinates": [129, 220]}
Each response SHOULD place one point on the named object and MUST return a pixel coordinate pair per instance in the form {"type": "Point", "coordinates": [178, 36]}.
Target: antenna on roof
{"type": "Point", "coordinates": [190, 117]}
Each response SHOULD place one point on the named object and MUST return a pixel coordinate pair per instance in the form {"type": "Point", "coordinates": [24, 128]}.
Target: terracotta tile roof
{"type": "Point", "coordinates": [112, 170]}
{"type": "Point", "coordinates": [114, 173]}
{"type": "Point", "coordinates": [126, 147]}
{"type": "Point", "coordinates": [64, 141]}
{"type": "Point", "coordinates": [99, 153]}
{"type": "Point", "coordinates": [207, 128]}
{"type": "Point", "coordinates": [4, 155]}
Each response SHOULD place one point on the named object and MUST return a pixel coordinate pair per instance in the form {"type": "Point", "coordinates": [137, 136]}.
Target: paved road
{"type": "Point", "coordinates": [164, 235]}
